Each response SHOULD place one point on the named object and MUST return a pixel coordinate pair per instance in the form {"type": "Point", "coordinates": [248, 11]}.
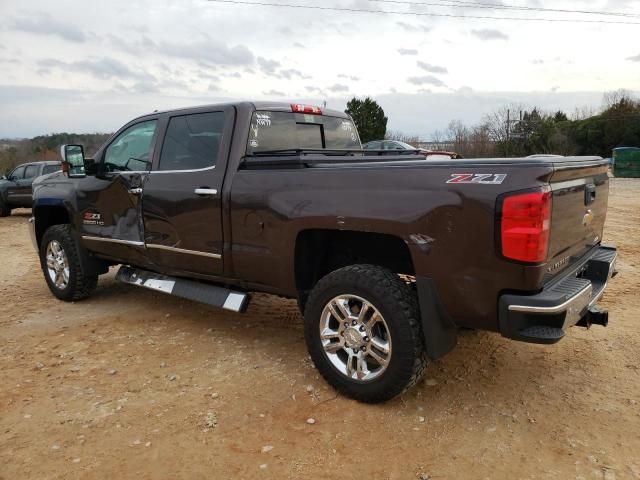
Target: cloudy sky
{"type": "Point", "coordinates": [74, 65]}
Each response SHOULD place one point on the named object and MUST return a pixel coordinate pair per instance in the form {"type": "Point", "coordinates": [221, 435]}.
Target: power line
{"type": "Point", "coordinates": [497, 6]}
{"type": "Point", "coordinates": [417, 14]}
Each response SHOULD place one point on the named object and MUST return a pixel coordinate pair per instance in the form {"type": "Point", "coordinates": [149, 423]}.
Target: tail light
{"type": "Point", "coordinates": [299, 108]}
{"type": "Point", "coordinates": [525, 222]}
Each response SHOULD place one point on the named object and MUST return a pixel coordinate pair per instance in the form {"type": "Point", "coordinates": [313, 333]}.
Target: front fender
{"type": "Point", "coordinates": [48, 211]}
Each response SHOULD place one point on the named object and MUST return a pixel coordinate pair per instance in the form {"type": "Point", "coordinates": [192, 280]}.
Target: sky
{"type": "Point", "coordinates": [80, 66]}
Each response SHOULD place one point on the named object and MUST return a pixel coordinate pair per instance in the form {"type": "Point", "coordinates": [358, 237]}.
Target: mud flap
{"type": "Point", "coordinates": [440, 333]}
{"type": "Point", "coordinates": [213, 295]}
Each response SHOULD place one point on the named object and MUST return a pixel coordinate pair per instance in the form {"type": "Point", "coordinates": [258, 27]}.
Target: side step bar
{"type": "Point", "coordinates": [191, 290]}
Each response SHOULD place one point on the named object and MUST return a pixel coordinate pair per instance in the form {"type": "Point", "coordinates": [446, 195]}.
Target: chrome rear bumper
{"type": "Point", "coordinates": [563, 303]}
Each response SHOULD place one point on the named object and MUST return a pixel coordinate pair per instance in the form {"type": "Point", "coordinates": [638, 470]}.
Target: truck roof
{"type": "Point", "coordinates": [39, 162]}
{"type": "Point", "coordinates": [255, 105]}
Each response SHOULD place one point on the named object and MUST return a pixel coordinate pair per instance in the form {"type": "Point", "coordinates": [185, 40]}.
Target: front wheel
{"type": "Point", "coordinates": [62, 266]}
{"type": "Point", "coordinates": [363, 333]}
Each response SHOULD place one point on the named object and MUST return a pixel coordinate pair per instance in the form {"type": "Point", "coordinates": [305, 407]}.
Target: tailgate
{"type": "Point", "coordinates": [580, 196]}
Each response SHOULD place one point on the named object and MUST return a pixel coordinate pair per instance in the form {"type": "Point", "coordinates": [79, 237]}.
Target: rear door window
{"type": "Point", "coordinates": [287, 130]}
{"type": "Point", "coordinates": [192, 142]}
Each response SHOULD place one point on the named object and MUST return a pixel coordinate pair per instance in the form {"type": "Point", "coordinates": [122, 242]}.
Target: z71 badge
{"type": "Point", "coordinates": [481, 178]}
{"type": "Point", "coordinates": [91, 218]}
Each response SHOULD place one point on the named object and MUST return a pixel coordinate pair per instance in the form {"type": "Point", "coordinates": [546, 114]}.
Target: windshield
{"type": "Point", "coordinates": [288, 130]}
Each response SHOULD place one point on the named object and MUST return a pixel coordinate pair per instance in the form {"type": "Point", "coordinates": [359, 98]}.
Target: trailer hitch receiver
{"type": "Point", "coordinates": [594, 316]}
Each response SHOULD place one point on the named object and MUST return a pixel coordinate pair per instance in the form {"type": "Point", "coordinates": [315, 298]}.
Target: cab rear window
{"type": "Point", "coordinates": [286, 130]}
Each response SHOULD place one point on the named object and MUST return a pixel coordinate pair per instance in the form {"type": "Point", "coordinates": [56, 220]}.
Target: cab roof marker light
{"type": "Point", "coordinates": [310, 109]}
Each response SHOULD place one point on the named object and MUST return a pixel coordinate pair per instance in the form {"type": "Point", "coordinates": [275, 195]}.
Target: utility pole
{"type": "Point", "coordinates": [506, 150]}
{"type": "Point", "coordinates": [518, 135]}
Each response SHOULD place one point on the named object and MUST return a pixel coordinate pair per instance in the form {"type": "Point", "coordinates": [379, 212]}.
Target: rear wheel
{"type": "Point", "coordinates": [5, 210]}
{"type": "Point", "coordinates": [62, 266]}
{"type": "Point", "coordinates": [363, 333]}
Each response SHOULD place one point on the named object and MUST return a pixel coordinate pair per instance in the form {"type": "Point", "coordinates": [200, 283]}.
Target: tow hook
{"type": "Point", "coordinates": [594, 316]}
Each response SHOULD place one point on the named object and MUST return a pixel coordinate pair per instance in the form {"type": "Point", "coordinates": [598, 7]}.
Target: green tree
{"type": "Point", "coordinates": [369, 118]}
{"type": "Point", "coordinates": [617, 126]}
{"type": "Point", "coordinates": [560, 116]}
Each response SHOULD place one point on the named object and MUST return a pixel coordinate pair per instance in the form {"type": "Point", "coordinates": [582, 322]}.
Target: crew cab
{"type": "Point", "coordinates": [387, 255]}
{"type": "Point", "coordinates": [15, 187]}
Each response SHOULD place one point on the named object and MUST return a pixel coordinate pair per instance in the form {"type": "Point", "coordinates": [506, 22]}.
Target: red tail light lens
{"type": "Point", "coordinates": [524, 226]}
{"type": "Point", "coordinates": [299, 108]}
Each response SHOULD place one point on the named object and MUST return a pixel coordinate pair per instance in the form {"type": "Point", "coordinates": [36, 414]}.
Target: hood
{"type": "Point", "coordinates": [48, 176]}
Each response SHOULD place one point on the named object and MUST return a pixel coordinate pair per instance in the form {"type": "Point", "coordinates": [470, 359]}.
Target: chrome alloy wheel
{"type": "Point", "coordinates": [57, 265]}
{"type": "Point", "coordinates": [355, 338]}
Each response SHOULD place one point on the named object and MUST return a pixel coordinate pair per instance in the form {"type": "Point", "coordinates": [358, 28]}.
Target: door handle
{"type": "Point", "coordinates": [135, 191]}
{"type": "Point", "coordinates": [206, 191]}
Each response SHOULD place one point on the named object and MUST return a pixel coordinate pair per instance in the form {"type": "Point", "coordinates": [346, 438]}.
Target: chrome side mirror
{"type": "Point", "coordinates": [73, 160]}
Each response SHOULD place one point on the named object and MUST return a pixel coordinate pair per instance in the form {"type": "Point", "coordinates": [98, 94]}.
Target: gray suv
{"type": "Point", "coordinates": [15, 187]}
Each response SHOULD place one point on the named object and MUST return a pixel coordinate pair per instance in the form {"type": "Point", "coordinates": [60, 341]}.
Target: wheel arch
{"type": "Point", "coordinates": [48, 214]}
{"type": "Point", "coordinates": [320, 251]}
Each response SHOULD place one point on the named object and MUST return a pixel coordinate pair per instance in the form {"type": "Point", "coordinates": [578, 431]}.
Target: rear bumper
{"type": "Point", "coordinates": [564, 302]}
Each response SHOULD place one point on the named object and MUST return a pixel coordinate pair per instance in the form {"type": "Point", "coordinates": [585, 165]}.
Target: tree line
{"type": "Point", "coordinates": [516, 130]}
{"type": "Point", "coordinates": [45, 147]}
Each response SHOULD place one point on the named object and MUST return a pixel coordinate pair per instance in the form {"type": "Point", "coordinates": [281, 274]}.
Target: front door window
{"type": "Point", "coordinates": [17, 174]}
{"type": "Point", "coordinates": [131, 150]}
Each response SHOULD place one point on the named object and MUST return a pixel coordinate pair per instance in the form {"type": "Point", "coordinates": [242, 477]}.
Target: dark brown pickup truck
{"type": "Point", "coordinates": [388, 255]}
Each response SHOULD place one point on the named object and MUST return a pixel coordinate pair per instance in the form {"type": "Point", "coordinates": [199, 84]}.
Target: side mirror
{"type": "Point", "coordinates": [73, 160]}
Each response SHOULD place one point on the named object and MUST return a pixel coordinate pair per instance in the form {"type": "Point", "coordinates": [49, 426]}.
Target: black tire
{"type": "Point", "coordinates": [5, 210]}
{"type": "Point", "coordinates": [80, 285]}
{"type": "Point", "coordinates": [397, 303]}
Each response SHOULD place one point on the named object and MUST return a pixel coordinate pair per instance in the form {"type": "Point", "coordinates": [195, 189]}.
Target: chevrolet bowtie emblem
{"type": "Point", "coordinates": [588, 218]}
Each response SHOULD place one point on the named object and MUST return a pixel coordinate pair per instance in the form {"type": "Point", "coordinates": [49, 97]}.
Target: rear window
{"type": "Point", "coordinates": [288, 130]}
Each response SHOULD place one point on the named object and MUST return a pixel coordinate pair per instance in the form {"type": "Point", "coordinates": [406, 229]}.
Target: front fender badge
{"type": "Point", "coordinates": [92, 218]}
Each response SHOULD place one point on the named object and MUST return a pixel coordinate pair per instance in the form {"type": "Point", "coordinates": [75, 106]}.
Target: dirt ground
{"type": "Point", "coordinates": [134, 384]}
